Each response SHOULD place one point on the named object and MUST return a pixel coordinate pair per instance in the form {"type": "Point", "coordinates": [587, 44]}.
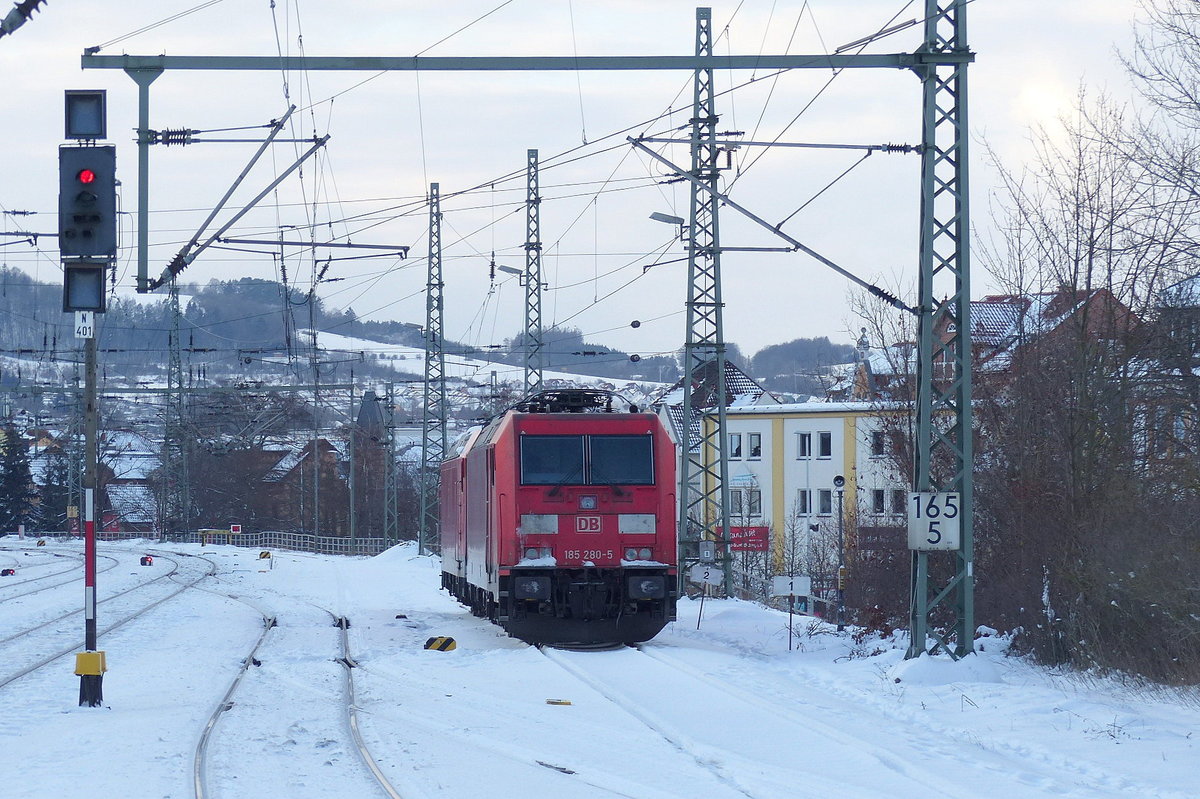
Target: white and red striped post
{"type": "Point", "coordinates": [90, 665]}
{"type": "Point", "coordinates": [89, 570]}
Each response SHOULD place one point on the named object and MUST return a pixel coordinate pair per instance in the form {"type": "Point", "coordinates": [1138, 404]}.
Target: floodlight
{"type": "Point", "coordinates": [670, 220]}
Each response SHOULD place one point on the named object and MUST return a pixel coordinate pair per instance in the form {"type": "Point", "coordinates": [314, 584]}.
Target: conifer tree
{"type": "Point", "coordinates": [17, 491]}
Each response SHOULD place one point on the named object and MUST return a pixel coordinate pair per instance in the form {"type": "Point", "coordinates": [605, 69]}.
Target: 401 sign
{"type": "Point", "coordinates": [934, 521]}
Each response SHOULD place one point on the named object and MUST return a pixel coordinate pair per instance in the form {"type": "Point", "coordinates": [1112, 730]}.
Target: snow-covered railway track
{"type": "Point", "coordinates": [48, 642]}
{"type": "Point", "coordinates": [257, 709]}
{"type": "Point", "coordinates": [70, 572]}
{"type": "Point", "coordinates": [715, 725]}
{"type": "Point", "coordinates": [105, 600]}
{"type": "Point", "coordinates": [574, 663]}
{"type": "Point", "coordinates": [460, 723]}
{"type": "Point", "coordinates": [364, 752]}
{"type": "Point", "coordinates": [200, 760]}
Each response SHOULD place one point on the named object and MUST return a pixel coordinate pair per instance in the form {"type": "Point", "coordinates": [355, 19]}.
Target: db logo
{"type": "Point", "coordinates": [587, 524]}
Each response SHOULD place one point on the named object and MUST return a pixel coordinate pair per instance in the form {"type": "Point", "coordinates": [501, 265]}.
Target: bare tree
{"type": "Point", "coordinates": [1068, 531]}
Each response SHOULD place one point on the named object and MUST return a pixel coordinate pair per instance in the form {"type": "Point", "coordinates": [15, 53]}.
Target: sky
{"type": "Point", "coordinates": [605, 263]}
{"type": "Point", "coordinates": [720, 704]}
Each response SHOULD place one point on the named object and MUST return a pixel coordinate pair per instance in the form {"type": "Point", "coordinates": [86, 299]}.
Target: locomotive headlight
{"type": "Point", "coordinates": [544, 523]}
{"type": "Point", "coordinates": [631, 554]}
{"type": "Point", "coordinates": [636, 523]}
{"type": "Point", "coordinates": [531, 552]}
{"type": "Point", "coordinates": [650, 586]}
{"type": "Point", "coordinates": [644, 553]}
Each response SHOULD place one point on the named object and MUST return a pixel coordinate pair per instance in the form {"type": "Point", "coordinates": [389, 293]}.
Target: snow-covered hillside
{"type": "Point", "coordinates": [412, 360]}
{"type": "Point", "coordinates": [717, 706]}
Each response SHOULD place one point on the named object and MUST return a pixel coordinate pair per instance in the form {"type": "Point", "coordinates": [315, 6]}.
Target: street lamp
{"type": "Point", "coordinates": [838, 483]}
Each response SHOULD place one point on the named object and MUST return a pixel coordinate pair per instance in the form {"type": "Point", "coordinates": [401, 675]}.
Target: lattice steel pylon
{"type": "Point", "coordinates": [176, 500]}
{"type": "Point", "coordinates": [703, 489]}
{"type": "Point", "coordinates": [533, 277]}
{"type": "Point", "coordinates": [75, 453]}
{"type": "Point", "coordinates": [434, 411]}
{"type": "Point", "coordinates": [943, 452]}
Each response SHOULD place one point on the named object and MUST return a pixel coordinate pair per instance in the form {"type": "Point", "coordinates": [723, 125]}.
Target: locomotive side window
{"type": "Point", "coordinates": [621, 460]}
{"type": "Point", "coordinates": [552, 460]}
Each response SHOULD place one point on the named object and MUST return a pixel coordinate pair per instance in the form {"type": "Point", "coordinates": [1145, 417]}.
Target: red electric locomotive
{"type": "Point", "coordinates": [558, 521]}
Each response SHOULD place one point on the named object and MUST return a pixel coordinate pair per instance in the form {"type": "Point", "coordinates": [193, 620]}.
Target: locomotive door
{"type": "Point", "coordinates": [493, 516]}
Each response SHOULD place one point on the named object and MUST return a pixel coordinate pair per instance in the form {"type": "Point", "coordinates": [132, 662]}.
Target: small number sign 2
{"type": "Point", "coordinates": [934, 521]}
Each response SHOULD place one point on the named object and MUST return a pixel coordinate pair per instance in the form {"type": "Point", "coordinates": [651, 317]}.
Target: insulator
{"type": "Point", "coordinates": [180, 136]}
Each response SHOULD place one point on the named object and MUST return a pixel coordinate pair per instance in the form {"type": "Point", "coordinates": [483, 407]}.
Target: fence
{"type": "Point", "coordinates": [297, 542]}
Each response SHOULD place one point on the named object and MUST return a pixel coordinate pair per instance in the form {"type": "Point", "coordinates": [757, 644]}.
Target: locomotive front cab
{"type": "Point", "coordinates": [593, 557]}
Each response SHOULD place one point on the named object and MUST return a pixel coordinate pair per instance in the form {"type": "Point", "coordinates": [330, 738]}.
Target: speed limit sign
{"type": "Point", "coordinates": [934, 521]}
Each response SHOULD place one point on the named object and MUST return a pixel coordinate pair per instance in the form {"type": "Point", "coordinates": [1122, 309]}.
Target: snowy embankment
{"type": "Point", "coordinates": [716, 706]}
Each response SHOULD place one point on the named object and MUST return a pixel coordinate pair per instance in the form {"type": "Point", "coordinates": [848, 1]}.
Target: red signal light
{"type": "Point", "coordinates": [86, 176]}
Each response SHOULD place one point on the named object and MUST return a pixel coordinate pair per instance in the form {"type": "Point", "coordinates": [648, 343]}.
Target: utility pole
{"type": "Point", "coordinates": [946, 399]}
{"type": "Point", "coordinates": [839, 483]}
{"type": "Point", "coordinates": [703, 489]}
{"type": "Point", "coordinates": [533, 277]}
{"type": "Point", "coordinates": [176, 501]}
{"type": "Point", "coordinates": [91, 691]}
{"type": "Point", "coordinates": [434, 412]}
{"type": "Point", "coordinates": [354, 431]}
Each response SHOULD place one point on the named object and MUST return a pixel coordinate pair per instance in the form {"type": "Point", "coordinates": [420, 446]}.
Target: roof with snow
{"type": "Point", "coordinates": [286, 465]}
{"type": "Point", "coordinates": [134, 504]}
{"type": "Point", "coordinates": [741, 391]}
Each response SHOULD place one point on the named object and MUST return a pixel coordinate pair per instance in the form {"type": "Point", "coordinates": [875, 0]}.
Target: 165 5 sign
{"type": "Point", "coordinates": [934, 521]}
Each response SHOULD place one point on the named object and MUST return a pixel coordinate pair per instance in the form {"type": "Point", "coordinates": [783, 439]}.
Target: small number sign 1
{"type": "Point", "coordinates": [934, 521]}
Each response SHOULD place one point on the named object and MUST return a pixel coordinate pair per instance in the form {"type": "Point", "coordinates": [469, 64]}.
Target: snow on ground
{"type": "Point", "coordinates": [716, 706]}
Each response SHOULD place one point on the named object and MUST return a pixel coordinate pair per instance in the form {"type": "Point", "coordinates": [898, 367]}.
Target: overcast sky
{"type": "Point", "coordinates": [395, 133]}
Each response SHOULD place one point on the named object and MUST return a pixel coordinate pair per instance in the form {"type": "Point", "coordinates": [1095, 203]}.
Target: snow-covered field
{"type": "Point", "coordinates": [412, 360]}
{"type": "Point", "coordinates": [715, 707]}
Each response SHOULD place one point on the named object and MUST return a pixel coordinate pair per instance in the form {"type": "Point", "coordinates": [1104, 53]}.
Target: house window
{"type": "Point", "coordinates": [879, 498]}
{"type": "Point", "coordinates": [754, 442]}
{"type": "Point", "coordinates": [825, 442]}
{"type": "Point", "coordinates": [753, 503]}
{"type": "Point", "coordinates": [735, 502]}
{"type": "Point", "coordinates": [804, 445]}
{"type": "Point", "coordinates": [877, 444]}
{"type": "Point", "coordinates": [825, 497]}
{"type": "Point", "coordinates": [803, 502]}
{"type": "Point", "coordinates": [735, 446]}
{"type": "Point", "coordinates": [899, 501]}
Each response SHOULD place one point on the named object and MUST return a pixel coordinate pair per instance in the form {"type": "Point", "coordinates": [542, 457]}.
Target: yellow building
{"type": "Point", "coordinates": [783, 460]}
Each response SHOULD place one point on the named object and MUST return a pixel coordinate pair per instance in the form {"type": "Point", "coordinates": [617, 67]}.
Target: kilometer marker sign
{"type": "Point", "coordinates": [934, 521]}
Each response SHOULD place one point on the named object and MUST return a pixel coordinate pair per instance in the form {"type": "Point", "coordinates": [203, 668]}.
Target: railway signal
{"type": "Point", "coordinates": [87, 243]}
{"type": "Point", "coordinates": [87, 201]}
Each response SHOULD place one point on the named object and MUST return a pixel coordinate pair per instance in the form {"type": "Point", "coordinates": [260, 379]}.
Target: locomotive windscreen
{"type": "Point", "coordinates": [621, 460]}
{"type": "Point", "coordinates": [587, 460]}
{"type": "Point", "coordinates": [551, 460]}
